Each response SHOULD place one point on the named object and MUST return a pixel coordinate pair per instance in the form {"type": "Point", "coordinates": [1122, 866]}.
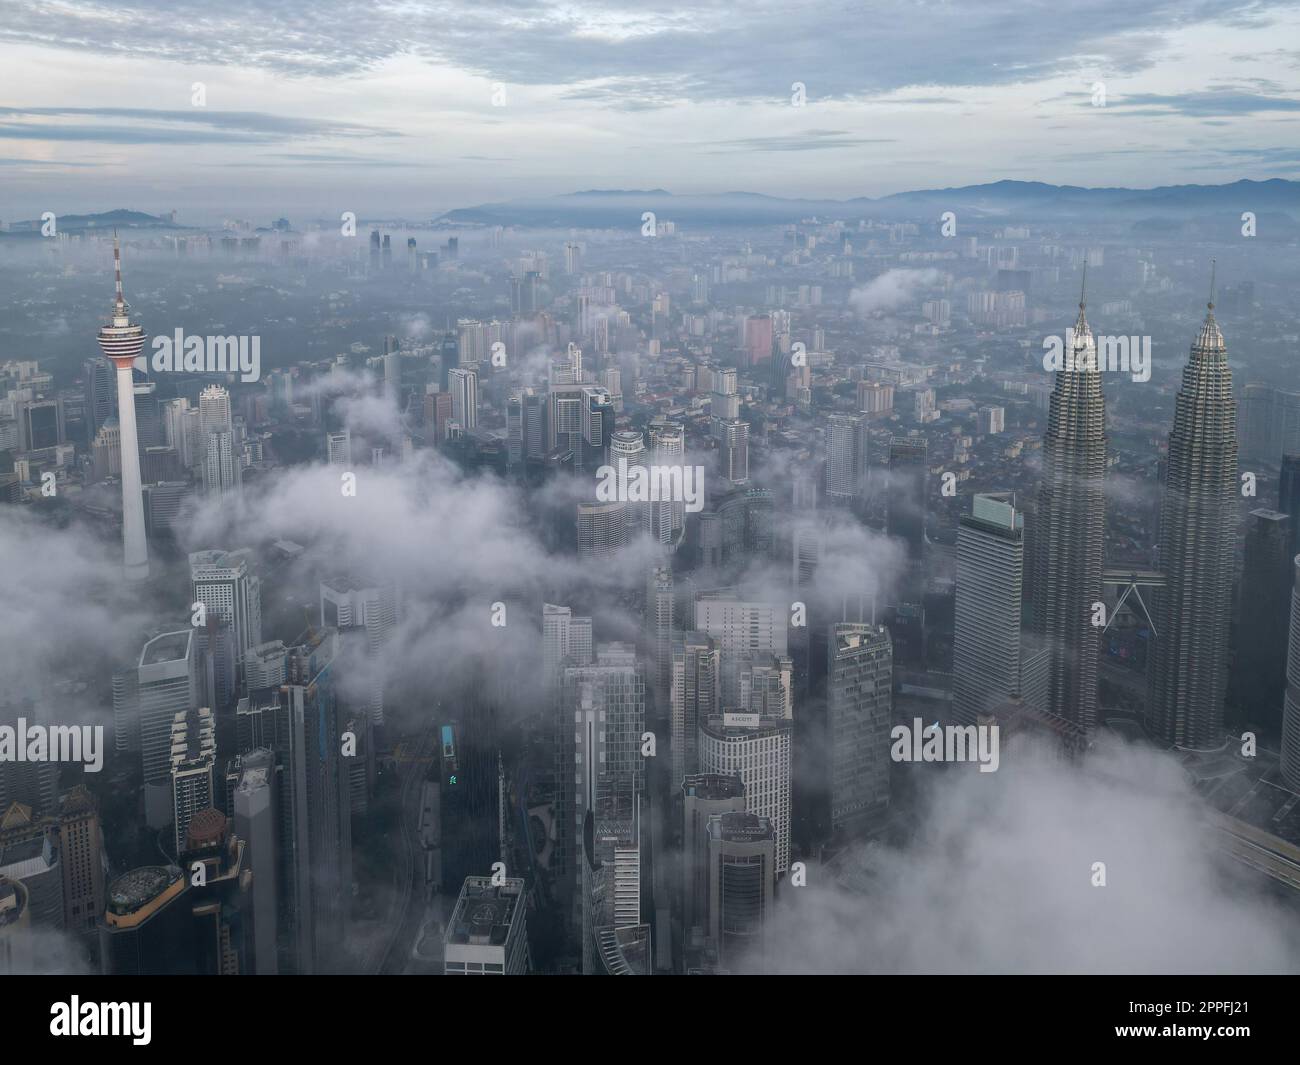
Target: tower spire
{"type": "Point", "coordinates": [1213, 270]}
{"type": "Point", "coordinates": [1083, 291]}
{"type": "Point", "coordinates": [119, 301]}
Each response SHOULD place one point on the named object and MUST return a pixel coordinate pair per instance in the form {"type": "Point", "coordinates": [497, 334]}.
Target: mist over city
{"type": "Point", "coordinates": [674, 490]}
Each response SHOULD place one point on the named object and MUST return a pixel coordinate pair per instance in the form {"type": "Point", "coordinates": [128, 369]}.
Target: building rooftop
{"type": "Point", "coordinates": [740, 827]}
{"type": "Point", "coordinates": [484, 912]}
{"type": "Point", "coordinates": [713, 786]}
{"type": "Point", "coordinates": [169, 647]}
{"type": "Point", "coordinates": [139, 887]}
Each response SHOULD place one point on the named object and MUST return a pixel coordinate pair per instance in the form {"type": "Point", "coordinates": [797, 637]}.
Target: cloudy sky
{"type": "Point", "coordinates": [387, 108]}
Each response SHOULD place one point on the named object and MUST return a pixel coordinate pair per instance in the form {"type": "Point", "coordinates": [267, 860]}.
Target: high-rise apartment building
{"type": "Point", "coordinates": [193, 761]}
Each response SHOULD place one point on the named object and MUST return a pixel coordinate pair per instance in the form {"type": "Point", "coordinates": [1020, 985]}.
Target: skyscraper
{"type": "Point", "coordinates": [846, 458]}
{"type": "Point", "coordinates": [602, 530]}
{"type": "Point", "coordinates": [704, 795]}
{"type": "Point", "coordinates": [990, 579]}
{"type": "Point", "coordinates": [1288, 499]}
{"type": "Point", "coordinates": [347, 603]}
{"type": "Point", "coordinates": [255, 821]}
{"type": "Point", "coordinates": [168, 684]}
{"type": "Point", "coordinates": [695, 694]}
{"type": "Point", "coordinates": [859, 704]}
{"type": "Point", "coordinates": [733, 452]}
{"type": "Point", "coordinates": [628, 446]}
{"type": "Point", "coordinates": [659, 632]}
{"type": "Point", "coordinates": [1198, 522]}
{"type": "Point", "coordinates": [1264, 595]}
{"type": "Point", "coordinates": [463, 385]}
{"type": "Point", "coordinates": [600, 720]}
{"type": "Point", "coordinates": [224, 583]}
{"type": "Point", "coordinates": [1070, 523]}
{"type": "Point", "coordinates": [1291, 706]}
{"type": "Point", "coordinates": [566, 641]}
{"type": "Point", "coordinates": [486, 935]}
{"type": "Point", "coordinates": [318, 817]}
{"type": "Point", "coordinates": [742, 882]}
{"type": "Point", "coordinates": [193, 758]}
{"type": "Point", "coordinates": [668, 447]}
{"type": "Point", "coordinates": [221, 472]}
{"type": "Point", "coordinates": [908, 467]}
{"type": "Point", "coordinates": [122, 341]}
{"type": "Point", "coordinates": [758, 751]}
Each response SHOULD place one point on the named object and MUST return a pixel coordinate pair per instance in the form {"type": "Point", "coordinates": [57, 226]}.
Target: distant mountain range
{"type": "Point", "coordinates": [79, 223]}
{"type": "Point", "coordinates": [1000, 200]}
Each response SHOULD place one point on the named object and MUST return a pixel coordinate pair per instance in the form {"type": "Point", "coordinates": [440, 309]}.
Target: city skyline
{"type": "Point", "coordinates": [576, 572]}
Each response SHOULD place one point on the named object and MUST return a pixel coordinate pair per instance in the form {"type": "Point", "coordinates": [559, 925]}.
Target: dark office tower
{"type": "Point", "coordinates": [146, 925]}
{"type": "Point", "coordinates": [515, 429]}
{"type": "Point", "coordinates": [162, 921]}
{"type": "Point", "coordinates": [388, 252]}
{"type": "Point", "coordinates": [255, 817]}
{"type": "Point", "coordinates": [101, 397]}
{"type": "Point", "coordinates": [659, 634]}
{"type": "Point", "coordinates": [448, 359]}
{"type": "Point", "coordinates": [859, 705]}
{"type": "Point", "coordinates": [1198, 524]}
{"type": "Point", "coordinates": [1264, 611]}
{"type": "Point", "coordinates": [742, 883]}
{"type": "Point", "coordinates": [411, 259]}
{"type": "Point", "coordinates": [218, 900]}
{"type": "Point", "coordinates": [1291, 707]}
{"type": "Point", "coordinates": [704, 796]}
{"type": "Point", "coordinates": [597, 428]}
{"type": "Point", "coordinates": [1288, 499]}
{"type": "Point", "coordinates": [374, 249]}
{"type": "Point", "coordinates": [453, 247]}
{"type": "Point", "coordinates": [319, 815]}
{"type": "Point", "coordinates": [908, 467]}
{"type": "Point", "coordinates": [1070, 523]}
